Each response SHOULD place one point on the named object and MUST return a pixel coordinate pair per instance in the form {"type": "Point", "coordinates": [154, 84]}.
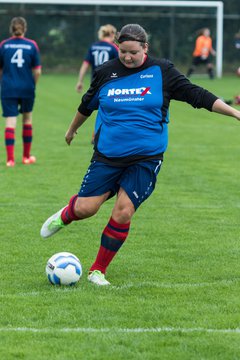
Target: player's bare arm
{"type": "Point", "coordinates": [220, 107]}
{"type": "Point", "coordinates": [77, 121]}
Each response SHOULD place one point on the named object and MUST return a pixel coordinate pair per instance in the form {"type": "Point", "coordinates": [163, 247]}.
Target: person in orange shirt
{"type": "Point", "coordinates": [202, 53]}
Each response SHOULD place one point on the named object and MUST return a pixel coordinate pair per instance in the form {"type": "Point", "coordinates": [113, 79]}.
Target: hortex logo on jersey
{"type": "Point", "coordinates": [142, 91]}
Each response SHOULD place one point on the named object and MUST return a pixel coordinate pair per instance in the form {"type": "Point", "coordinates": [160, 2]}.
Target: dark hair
{"type": "Point", "coordinates": [201, 31]}
{"type": "Point", "coordinates": [132, 32]}
{"type": "Point", "coordinates": [18, 26]}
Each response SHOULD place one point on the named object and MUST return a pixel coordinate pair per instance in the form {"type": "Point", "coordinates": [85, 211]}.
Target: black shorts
{"type": "Point", "coordinates": [198, 60]}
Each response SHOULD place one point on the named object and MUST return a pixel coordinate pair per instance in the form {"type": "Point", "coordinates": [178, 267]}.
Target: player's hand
{"type": "Point", "coordinates": [79, 87]}
{"type": "Point", "coordinates": [69, 136]}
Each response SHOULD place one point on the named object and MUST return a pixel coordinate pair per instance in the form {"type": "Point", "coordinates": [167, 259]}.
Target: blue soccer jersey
{"type": "Point", "coordinates": [133, 108]}
{"type": "Point", "coordinates": [18, 57]}
{"type": "Point", "coordinates": [100, 52]}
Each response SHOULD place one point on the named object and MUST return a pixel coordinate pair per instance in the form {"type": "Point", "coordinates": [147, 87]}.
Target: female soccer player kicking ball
{"type": "Point", "coordinates": [132, 94]}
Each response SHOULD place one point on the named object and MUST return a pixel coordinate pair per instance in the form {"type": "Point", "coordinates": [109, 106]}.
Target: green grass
{"type": "Point", "coordinates": [176, 282]}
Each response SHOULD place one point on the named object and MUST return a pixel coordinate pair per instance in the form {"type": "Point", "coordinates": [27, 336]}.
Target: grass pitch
{"type": "Point", "coordinates": [175, 290]}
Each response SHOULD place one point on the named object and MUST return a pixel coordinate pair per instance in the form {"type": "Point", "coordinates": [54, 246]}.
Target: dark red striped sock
{"type": "Point", "coordinates": [68, 213]}
{"type": "Point", "coordinates": [27, 139]}
{"type": "Point", "coordinates": [112, 239]}
{"type": "Point", "coordinates": [10, 142]}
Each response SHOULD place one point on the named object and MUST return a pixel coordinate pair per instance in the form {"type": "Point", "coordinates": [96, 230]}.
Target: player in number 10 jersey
{"type": "Point", "coordinates": [98, 53]}
{"type": "Point", "coordinates": [20, 69]}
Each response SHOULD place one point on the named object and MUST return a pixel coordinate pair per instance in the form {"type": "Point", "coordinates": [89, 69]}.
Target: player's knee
{"type": "Point", "coordinates": [84, 209]}
{"type": "Point", "coordinates": [123, 215]}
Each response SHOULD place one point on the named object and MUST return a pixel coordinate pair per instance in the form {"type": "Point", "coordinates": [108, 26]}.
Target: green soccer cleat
{"type": "Point", "coordinates": [98, 278]}
{"type": "Point", "coordinates": [52, 225]}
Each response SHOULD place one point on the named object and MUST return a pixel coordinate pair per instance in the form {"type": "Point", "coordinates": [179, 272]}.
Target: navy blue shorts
{"type": "Point", "coordinates": [14, 106]}
{"type": "Point", "coordinates": [137, 180]}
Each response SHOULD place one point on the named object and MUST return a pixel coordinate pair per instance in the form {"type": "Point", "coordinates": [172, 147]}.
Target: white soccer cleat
{"type": "Point", "coordinates": [98, 278]}
{"type": "Point", "coordinates": [52, 225]}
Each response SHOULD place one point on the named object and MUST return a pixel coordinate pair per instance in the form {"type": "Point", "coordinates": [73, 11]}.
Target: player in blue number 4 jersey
{"type": "Point", "coordinates": [20, 69]}
{"type": "Point", "coordinates": [132, 94]}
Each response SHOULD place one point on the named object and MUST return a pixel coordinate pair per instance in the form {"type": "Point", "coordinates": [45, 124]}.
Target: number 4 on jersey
{"type": "Point", "coordinates": [17, 58]}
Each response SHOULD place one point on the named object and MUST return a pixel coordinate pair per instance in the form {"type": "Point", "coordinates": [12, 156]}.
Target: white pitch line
{"type": "Point", "coordinates": [174, 285]}
{"type": "Point", "coordinates": [146, 284]}
{"type": "Point", "coordinates": [121, 330]}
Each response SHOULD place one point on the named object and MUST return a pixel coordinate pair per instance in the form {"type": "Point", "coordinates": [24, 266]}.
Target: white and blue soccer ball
{"type": "Point", "coordinates": [64, 268]}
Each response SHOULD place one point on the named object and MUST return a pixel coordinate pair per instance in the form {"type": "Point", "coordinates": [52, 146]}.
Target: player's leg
{"type": "Point", "coordinates": [210, 71]}
{"type": "Point", "coordinates": [113, 237]}
{"type": "Point", "coordinates": [97, 186]}
{"type": "Point", "coordinates": [27, 133]}
{"type": "Point", "coordinates": [195, 62]}
{"type": "Point", "coordinates": [77, 209]}
{"type": "Point", "coordinates": [10, 139]}
{"type": "Point", "coordinates": [190, 70]}
{"type": "Point", "coordinates": [10, 113]}
{"type": "Point", "coordinates": [137, 183]}
{"type": "Point", "coordinates": [27, 130]}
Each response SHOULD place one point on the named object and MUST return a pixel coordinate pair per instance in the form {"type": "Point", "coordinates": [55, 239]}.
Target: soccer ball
{"type": "Point", "coordinates": [63, 268]}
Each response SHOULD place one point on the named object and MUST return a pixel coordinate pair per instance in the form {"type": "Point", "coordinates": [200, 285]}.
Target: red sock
{"type": "Point", "coordinates": [112, 239]}
{"type": "Point", "coordinates": [27, 139]}
{"type": "Point", "coordinates": [9, 142]}
{"type": "Point", "coordinates": [68, 213]}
